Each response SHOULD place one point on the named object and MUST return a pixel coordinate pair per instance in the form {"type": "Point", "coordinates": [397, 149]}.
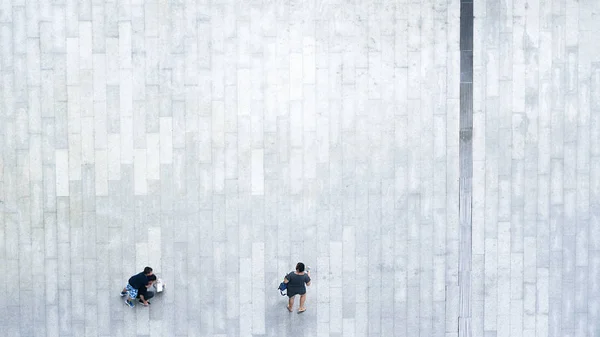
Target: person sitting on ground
{"type": "Point", "coordinates": [135, 283]}
{"type": "Point", "coordinates": [296, 285]}
{"type": "Point", "coordinates": [144, 294]}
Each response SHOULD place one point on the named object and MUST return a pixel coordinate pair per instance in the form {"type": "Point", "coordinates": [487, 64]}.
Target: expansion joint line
{"type": "Point", "coordinates": [465, 167]}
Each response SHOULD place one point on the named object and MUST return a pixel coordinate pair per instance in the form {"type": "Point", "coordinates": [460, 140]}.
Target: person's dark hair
{"type": "Point", "coordinates": [152, 277]}
{"type": "Point", "coordinates": [300, 267]}
{"type": "Point", "coordinates": [147, 270]}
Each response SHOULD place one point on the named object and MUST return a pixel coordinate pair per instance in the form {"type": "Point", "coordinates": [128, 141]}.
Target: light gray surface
{"type": "Point", "coordinates": [536, 189]}
{"type": "Point", "coordinates": [222, 143]}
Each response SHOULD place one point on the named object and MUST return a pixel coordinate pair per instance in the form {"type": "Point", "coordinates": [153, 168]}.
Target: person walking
{"type": "Point", "coordinates": [296, 285]}
{"type": "Point", "coordinates": [135, 283]}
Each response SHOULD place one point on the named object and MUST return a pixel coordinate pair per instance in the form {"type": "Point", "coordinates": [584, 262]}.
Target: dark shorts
{"type": "Point", "coordinates": [291, 292]}
{"type": "Point", "coordinates": [147, 294]}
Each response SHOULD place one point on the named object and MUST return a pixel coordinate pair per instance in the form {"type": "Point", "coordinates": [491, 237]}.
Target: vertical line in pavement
{"type": "Point", "coordinates": [466, 166]}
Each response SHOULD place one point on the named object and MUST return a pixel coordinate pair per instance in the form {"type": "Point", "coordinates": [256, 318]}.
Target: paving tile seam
{"type": "Point", "coordinates": [465, 169]}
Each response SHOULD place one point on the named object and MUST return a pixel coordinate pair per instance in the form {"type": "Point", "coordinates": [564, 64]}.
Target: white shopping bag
{"type": "Point", "coordinates": [159, 285]}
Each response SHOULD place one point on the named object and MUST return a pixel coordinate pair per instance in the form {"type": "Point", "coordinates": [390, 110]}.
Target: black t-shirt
{"type": "Point", "coordinates": [143, 291]}
{"type": "Point", "coordinates": [297, 282]}
{"type": "Point", "coordinates": [139, 281]}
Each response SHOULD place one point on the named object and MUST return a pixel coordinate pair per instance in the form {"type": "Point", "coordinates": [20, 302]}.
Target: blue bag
{"type": "Point", "coordinates": [282, 288]}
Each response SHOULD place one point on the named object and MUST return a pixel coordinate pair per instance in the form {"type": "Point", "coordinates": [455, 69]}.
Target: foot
{"type": "Point", "coordinates": [301, 310]}
{"type": "Point", "coordinates": [289, 308]}
{"type": "Point", "coordinates": [143, 302]}
{"type": "Point", "coordinates": [123, 293]}
{"type": "Point", "coordinates": [129, 303]}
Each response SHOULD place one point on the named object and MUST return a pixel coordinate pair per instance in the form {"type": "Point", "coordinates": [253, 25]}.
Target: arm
{"type": "Point", "coordinates": [286, 279]}
{"type": "Point", "coordinates": [143, 299]}
{"type": "Point", "coordinates": [142, 293]}
{"type": "Point", "coordinates": [309, 280]}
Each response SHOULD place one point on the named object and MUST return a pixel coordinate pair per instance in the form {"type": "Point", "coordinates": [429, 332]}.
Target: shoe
{"type": "Point", "coordinates": [129, 303]}
{"type": "Point", "coordinates": [143, 302]}
{"type": "Point", "coordinates": [123, 294]}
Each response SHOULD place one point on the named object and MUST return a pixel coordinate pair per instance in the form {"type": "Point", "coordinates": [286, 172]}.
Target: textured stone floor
{"type": "Point", "coordinates": [536, 195]}
{"type": "Point", "coordinates": [221, 142]}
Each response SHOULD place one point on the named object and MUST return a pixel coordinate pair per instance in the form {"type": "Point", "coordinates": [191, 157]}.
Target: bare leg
{"type": "Point", "coordinates": [291, 303]}
{"type": "Point", "coordinates": [124, 293]}
{"type": "Point", "coordinates": [302, 300]}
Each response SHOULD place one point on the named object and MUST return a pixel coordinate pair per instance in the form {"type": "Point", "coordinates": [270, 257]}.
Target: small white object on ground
{"type": "Point", "coordinates": [159, 285]}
